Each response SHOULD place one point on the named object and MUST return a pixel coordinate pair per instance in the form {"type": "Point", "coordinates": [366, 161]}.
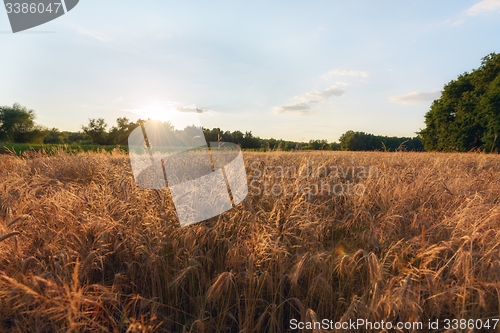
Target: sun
{"type": "Point", "coordinates": [155, 112]}
{"type": "Point", "coordinates": [178, 116]}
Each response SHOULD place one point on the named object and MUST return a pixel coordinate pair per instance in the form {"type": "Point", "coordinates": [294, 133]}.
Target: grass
{"type": "Point", "coordinates": [83, 249]}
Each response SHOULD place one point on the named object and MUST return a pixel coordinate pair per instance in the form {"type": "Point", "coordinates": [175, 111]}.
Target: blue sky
{"type": "Point", "coordinates": [295, 70]}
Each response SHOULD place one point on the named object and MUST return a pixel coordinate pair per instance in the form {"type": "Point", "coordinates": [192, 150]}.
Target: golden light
{"type": "Point", "coordinates": [339, 250]}
{"type": "Point", "coordinates": [177, 116]}
{"type": "Point", "coordinates": [154, 112]}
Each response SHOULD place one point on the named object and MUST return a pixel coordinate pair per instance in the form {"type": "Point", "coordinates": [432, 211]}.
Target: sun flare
{"type": "Point", "coordinates": [178, 116]}
{"type": "Point", "coordinates": [155, 112]}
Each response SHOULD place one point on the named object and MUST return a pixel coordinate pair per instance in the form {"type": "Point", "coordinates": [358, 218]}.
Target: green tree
{"type": "Point", "coordinates": [467, 115]}
{"type": "Point", "coordinates": [213, 135]}
{"type": "Point", "coordinates": [351, 140]}
{"type": "Point", "coordinates": [17, 124]}
{"type": "Point", "coordinates": [334, 146]}
{"type": "Point", "coordinates": [250, 141]}
{"type": "Point", "coordinates": [75, 137]}
{"type": "Point", "coordinates": [96, 130]}
{"type": "Point", "coordinates": [118, 135]}
{"type": "Point", "coordinates": [317, 145]}
{"type": "Point", "coordinates": [54, 136]}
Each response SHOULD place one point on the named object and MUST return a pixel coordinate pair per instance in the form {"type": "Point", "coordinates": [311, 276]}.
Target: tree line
{"type": "Point", "coordinates": [361, 141]}
{"type": "Point", "coordinates": [17, 125]}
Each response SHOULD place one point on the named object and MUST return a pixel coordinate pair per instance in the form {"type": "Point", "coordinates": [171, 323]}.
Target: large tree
{"type": "Point", "coordinates": [96, 130]}
{"type": "Point", "coordinates": [351, 140]}
{"type": "Point", "coordinates": [119, 133]}
{"type": "Point", "coordinates": [17, 124]}
{"type": "Point", "coordinates": [467, 115]}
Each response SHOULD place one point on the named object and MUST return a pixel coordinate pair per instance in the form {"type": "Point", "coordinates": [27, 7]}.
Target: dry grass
{"type": "Point", "coordinates": [83, 249]}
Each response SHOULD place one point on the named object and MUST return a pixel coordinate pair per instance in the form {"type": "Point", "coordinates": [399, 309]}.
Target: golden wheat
{"type": "Point", "coordinates": [83, 249]}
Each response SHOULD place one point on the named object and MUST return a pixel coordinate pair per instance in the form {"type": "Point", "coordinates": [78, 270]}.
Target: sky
{"type": "Point", "coordinates": [296, 70]}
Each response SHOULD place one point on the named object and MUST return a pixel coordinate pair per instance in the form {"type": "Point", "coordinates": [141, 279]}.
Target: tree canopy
{"type": "Point", "coordinates": [17, 124]}
{"type": "Point", "coordinates": [352, 140]}
{"type": "Point", "coordinates": [467, 115]}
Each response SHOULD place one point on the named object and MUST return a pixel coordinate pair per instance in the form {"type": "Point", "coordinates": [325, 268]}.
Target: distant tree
{"type": "Point", "coordinates": [118, 135]}
{"type": "Point", "coordinates": [76, 137]}
{"type": "Point", "coordinates": [413, 144]}
{"type": "Point", "coordinates": [237, 137]}
{"type": "Point", "coordinates": [392, 143]}
{"type": "Point", "coordinates": [334, 146]}
{"type": "Point", "coordinates": [249, 141]}
{"type": "Point", "coordinates": [212, 135]}
{"type": "Point", "coordinates": [351, 140]}
{"type": "Point", "coordinates": [317, 145]}
{"type": "Point", "coordinates": [16, 123]}
{"type": "Point", "coordinates": [96, 130]}
{"type": "Point", "coordinates": [290, 145]}
{"type": "Point", "coordinates": [54, 137]}
{"type": "Point", "coordinates": [246, 140]}
{"type": "Point", "coordinates": [272, 144]}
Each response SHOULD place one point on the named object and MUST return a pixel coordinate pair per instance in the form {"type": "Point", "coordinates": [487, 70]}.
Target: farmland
{"type": "Point", "coordinates": [399, 237]}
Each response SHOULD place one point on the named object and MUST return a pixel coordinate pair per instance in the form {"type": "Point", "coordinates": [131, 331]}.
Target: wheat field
{"type": "Point", "coordinates": [403, 237]}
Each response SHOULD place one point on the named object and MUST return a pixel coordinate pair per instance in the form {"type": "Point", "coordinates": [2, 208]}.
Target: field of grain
{"type": "Point", "coordinates": [405, 237]}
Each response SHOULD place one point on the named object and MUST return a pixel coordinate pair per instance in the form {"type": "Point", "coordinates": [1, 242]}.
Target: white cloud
{"type": "Point", "coordinates": [316, 96]}
{"type": "Point", "coordinates": [344, 72]}
{"type": "Point", "coordinates": [416, 97]}
{"type": "Point", "coordinates": [483, 7]}
{"type": "Point", "coordinates": [304, 101]}
{"type": "Point", "coordinates": [300, 108]}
